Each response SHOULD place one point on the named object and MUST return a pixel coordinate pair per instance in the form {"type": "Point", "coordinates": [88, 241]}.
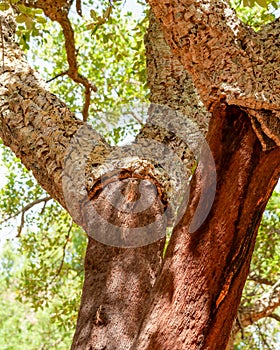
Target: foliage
{"type": "Point", "coordinates": [113, 58]}
{"type": "Point", "coordinates": [29, 21]}
{"type": "Point", "coordinates": [261, 3]}
{"type": "Point", "coordinates": [20, 319]}
{"type": "Point", "coordinates": [255, 13]}
{"type": "Point", "coordinates": [39, 268]}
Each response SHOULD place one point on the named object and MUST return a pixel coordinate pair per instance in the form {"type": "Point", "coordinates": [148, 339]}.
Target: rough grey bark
{"type": "Point", "coordinates": [111, 311]}
{"type": "Point", "coordinates": [226, 59]}
{"type": "Point", "coordinates": [169, 82]}
{"type": "Point", "coordinates": [61, 151]}
{"type": "Point", "coordinates": [34, 123]}
{"type": "Point", "coordinates": [185, 120]}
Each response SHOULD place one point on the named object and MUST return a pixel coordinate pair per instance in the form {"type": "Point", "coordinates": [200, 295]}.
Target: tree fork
{"type": "Point", "coordinates": [41, 131]}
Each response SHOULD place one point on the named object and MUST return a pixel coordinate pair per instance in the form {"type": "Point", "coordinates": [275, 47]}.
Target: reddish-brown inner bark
{"type": "Point", "coordinates": [196, 297]}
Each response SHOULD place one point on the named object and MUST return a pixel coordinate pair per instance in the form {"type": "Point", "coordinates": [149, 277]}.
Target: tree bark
{"type": "Point", "coordinates": [178, 95]}
{"type": "Point", "coordinates": [63, 154]}
{"type": "Point", "coordinates": [196, 296]}
{"type": "Point", "coordinates": [226, 59]}
{"type": "Point", "coordinates": [116, 288]}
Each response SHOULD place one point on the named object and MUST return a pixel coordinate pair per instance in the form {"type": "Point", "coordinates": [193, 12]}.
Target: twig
{"type": "Point", "coordinates": [26, 208]}
{"type": "Point", "coordinates": [136, 118]}
{"type": "Point", "coordinates": [22, 220]}
{"type": "Point", "coordinates": [275, 316]}
{"type": "Point", "coordinates": [240, 326]}
{"type": "Point", "coordinates": [43, 209]}
{"type": "Point", "coordinates": [71, 52]}
{"type": "Point", "coordinates": [264, 341]}
{"type": "Point", "coordinates": [63, 253]}
{"type": "Point", "coordinates": [79, 7]}
{"type": "Point", "coordinates": [73, 73]}
{"type": "Point", "coordinates": [57, 76]}
{"type": "Point", "coordinates": [260, 280]}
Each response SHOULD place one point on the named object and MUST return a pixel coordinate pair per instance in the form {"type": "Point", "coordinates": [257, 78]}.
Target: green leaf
{"type": "Point", "coordinates": [262, 3]}
{"type": "Point", "coordinates": [4, 6]}
{"type": "Point", "coordinates": [107, 12]}
{"type": "Point", "coordinates": [41, 19]}
{"type": "Point", "coordinates": [248, 3]}
{"type": "Point", "coordinates": [24, 9]}
{"type": "Point", "coordinates": [21, 18]}
{"type": "Point", "coordinates": [93, 15]}
{"type": "Point", "coordinates": [29, 22]}
{"type": "Point", "coordinates": [275, 4]}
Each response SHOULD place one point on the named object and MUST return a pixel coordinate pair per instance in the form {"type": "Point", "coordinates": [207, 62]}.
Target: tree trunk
{"type": "Point", "coordinates": [177, 95]}
{"type": "Point", "coordinates": [195, 299]}
{"type": "Point", "coordinates": [63, 154]}
{"type": "Point", "coordinates": [226, 59]}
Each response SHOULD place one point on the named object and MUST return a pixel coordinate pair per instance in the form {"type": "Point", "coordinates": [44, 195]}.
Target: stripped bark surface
{"type": "Point", "coordinates": [195, 299]}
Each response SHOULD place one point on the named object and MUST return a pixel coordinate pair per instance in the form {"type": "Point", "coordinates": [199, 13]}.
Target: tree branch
{"type": "Point", "coordinates": [227, 61]}
{"type": "Point", "coordinates": [60, 15]}
{"type": "Point", "coordinates": [63, 254]}
{"type": "Point", "coordinates": [177, 116]}
{"type": "Point", "coordinates": [275, 317]}
{"type": "Point", "coordinates": [25, 209]}
{"type": "Point", "coordinates": [264, 341]}
{"type": "Point", "coordinates": [70, 158]}
{"type": "Point", "coordinates": [264, 307]}
{"type": "Point", "coordinates": [255, 278]}
{"type": "Point", "coordinates": [57, 76]}
{"type": "Point", "coordinates": [79, 7]}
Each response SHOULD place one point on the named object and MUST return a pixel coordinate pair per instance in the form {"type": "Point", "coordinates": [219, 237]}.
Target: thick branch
{"type": "Point", "coordinates": [169, 82]}
{"type": "Point", "coordinates": [226, 60]}
{"type": "Point", "coordinates": [171, 86]}
{"type": "Point", "coordinates": [67, 157]}
{"type": "Point", "coordinates": [34, 123]}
